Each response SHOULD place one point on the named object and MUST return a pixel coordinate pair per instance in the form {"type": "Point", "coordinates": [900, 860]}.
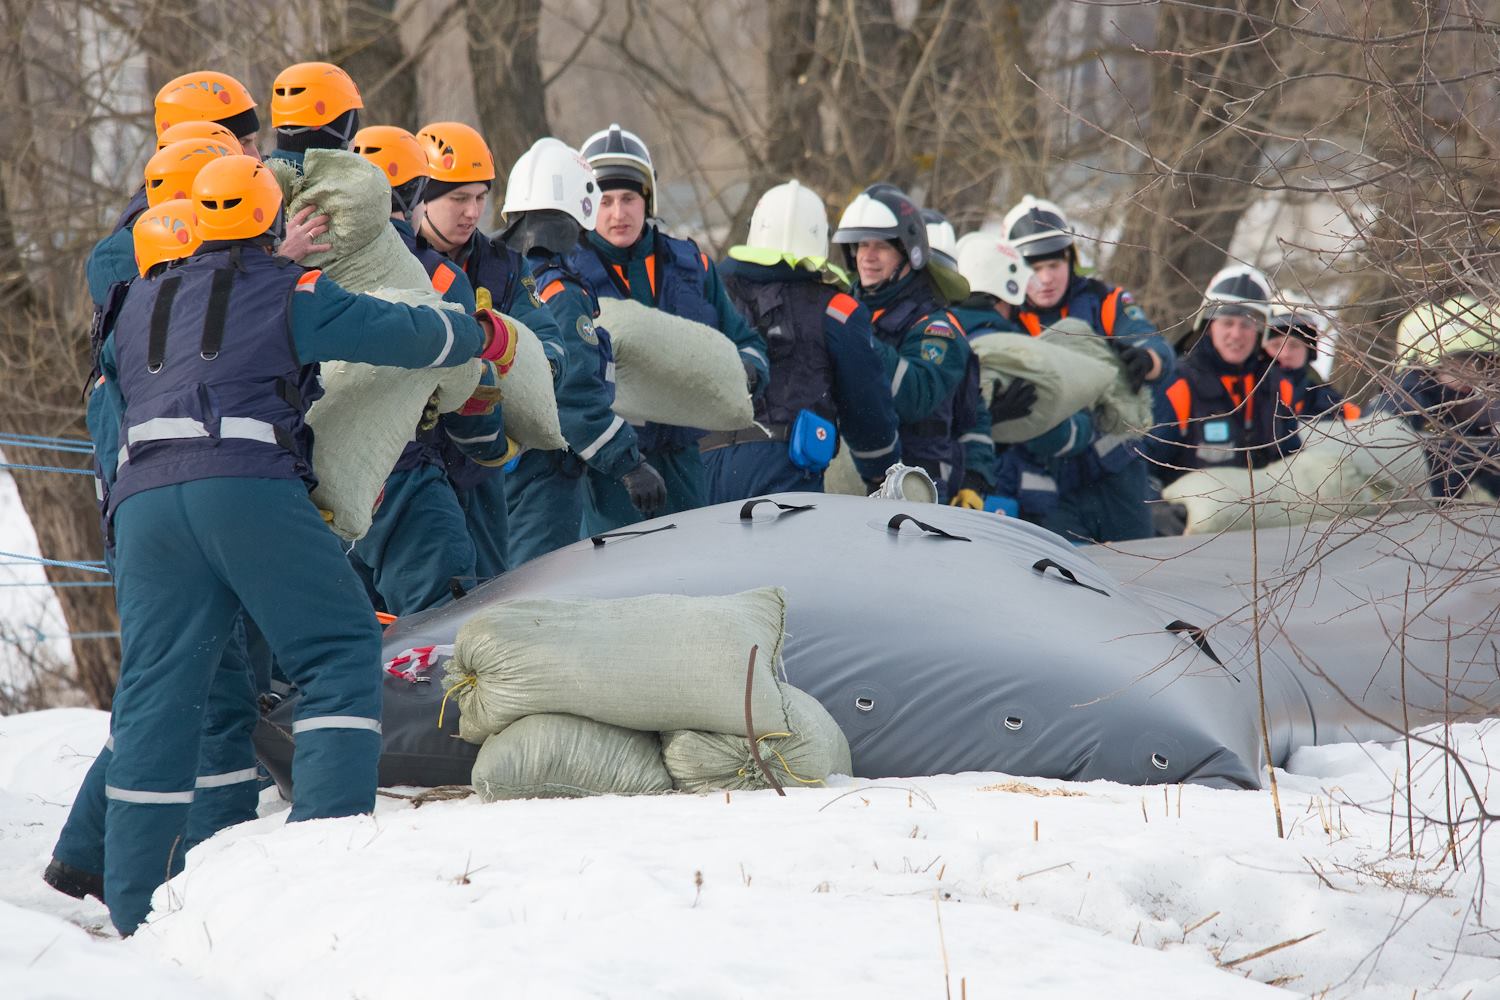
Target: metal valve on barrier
{"type": "Point", "coordinates": [907, 482]}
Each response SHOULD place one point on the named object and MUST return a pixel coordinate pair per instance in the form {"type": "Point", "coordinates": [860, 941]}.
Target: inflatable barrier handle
{"type": "Point", "coordinates": [747, 511]}
{"type": "Point", "coordinates": [895, 523]}
{"type": "Point", "coordinates": [1200, 639]}
{"type": "Point", "coordinates": [600, 540]}
{"type": "Point", "coordinates": [1043, 565]}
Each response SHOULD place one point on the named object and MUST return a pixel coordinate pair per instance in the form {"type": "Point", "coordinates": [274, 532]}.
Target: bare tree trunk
{"type": "Point", "coordinates": [1205, 151]}
{"type": "Point", "coordinates": [372, 53]}
{"type": "Point", "coordinates": [507, 78]}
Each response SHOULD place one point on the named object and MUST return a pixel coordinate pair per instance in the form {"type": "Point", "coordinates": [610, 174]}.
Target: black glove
{"type": "Point", "coordinates": [647, 489]}
{"type": "Point", "coordinates": [1137, 362]}
{"type": "Point", "coordinates": [1168, 519]}
{"type": "Point", "coordinates": [752, 376]}
{"type": "Point", "coordinates": [1012, 402]}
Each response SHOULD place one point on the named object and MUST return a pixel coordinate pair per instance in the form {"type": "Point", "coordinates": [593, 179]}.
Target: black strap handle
{"type": "Point", "coordinates": [1200, 639]}
{"type": "Point", "coordinates": [600, 540]}
{"type": "Point", "coordinates": [747, 511]}
{"type": "Point", "coordinates": [895, 523]}
{"type": "Point", "coordinates": [1043, 565]}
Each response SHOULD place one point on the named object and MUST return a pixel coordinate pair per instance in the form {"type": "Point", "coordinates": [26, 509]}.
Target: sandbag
{"type": "Point", "coordinates": [812, 747]}
{"type": "Point", "coordinates": [565, 756]}
{"type": "Point", "coordinates": [1066, 380]}
{"type": "Point", "coordinates": [1120, 410]}
{"type": "Point", "coordinates": [655, 663]}
{"type": "Point", "coordinates": [673, 371]}
{"type": "Point", "coordinates": [842, 477]}
{"type": "Point", "coordinates": [530, 407]}
{"type": "Point", "coordinates": [1362, 467]}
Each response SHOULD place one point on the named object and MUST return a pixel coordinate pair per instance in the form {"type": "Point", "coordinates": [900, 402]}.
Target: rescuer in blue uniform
{"type": "Point", "coordinates": [1102, 491]}
{"type": "Point", "coordinates": [551, 199]}
{"type": "Point", "coordinates": [419, 541]}
{"type": "Point", "coordinates": [1291, 341]}
{"type": "Point", "coordinates": [997, 275]}
{"type": "Point", "coordinates": [314, 105]}
{"type": "Point", "coordinates": [826, 381]}
{"type": "Point", "coordinates": [215, 363]}
{"type": "Point", "coordinates": [1229, 406]}
{"type": "Point", "coordinates": [933, 379]}
{"type": "Point", "coordinates": [1447, 356]}
{"type": "Point", "coordinates": [453, 204]}
{"type": "Point", "coordinates": [629, 257]}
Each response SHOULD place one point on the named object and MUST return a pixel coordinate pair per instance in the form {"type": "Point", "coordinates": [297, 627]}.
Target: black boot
{"type": "Point", "coordinates": [73, 882]}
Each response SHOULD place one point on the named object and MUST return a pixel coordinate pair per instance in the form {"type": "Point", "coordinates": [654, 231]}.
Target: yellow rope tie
{"type": "Point", "coordinates": [468, 681]}
{"type": "Point", "coordinates": [784, 765]}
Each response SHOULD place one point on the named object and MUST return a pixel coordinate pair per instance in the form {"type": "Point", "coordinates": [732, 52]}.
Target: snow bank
{"type": "Point", "coordinates": [1043, 889]}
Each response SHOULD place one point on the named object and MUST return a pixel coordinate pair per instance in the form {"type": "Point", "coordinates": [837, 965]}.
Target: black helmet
{"type": "Point", "coordinates": [616, 154]}
{"type": "Point", "coordinates": [884, 212]}
{"type": "Point", "coordinates": [1038, 229]}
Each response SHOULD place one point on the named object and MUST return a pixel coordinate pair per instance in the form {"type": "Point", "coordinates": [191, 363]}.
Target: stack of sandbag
{"type": "Point", "coordinates": [1361, 467]}
{"type": "Point", "coordinates": [573, 697]}
{"type": "Point", "coordinates": [367, 414]}
{"type": "Point", "coordinates": [671, 370]}
{"type": "Point", "coordinates": [1067, 376]}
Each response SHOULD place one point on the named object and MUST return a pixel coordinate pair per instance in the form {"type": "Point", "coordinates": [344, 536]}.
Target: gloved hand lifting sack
{"type": "Point", "coordinates": [368, 414]}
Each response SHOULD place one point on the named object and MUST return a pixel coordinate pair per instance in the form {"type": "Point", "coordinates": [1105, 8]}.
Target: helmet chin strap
{"type": "Point", "coordinates": [427, 221]}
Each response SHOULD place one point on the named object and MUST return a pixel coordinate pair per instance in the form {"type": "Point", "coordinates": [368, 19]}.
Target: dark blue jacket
{"type": "Point", "coordinates": [672, 275]}
{"type": "Point", "coordinates": [820, 342]}
{"type": "Point", "coordinates": [934, 377]}
{"type": "Point", "coordinates": [1461, 449]}
{"type": "Point", "coordinates": [1219, 414]}
{"type": "Point", "coordinates": [584, 398]}
{"type": "Point", "coordinates": [215, 360]}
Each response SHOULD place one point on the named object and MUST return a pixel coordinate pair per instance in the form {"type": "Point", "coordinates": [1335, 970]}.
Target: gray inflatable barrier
{"type": "Point", "coordinates": [943, 640]}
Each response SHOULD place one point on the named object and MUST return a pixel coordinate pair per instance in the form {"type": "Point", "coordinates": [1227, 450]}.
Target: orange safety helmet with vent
{"type": "Point", "coordinates": [235, 198]}
{"type": "Point", "coordinates": [394, 150]}
{"type": "Point", "coordinates": [197, 130]}
{"type": "Point", "coordinates": [207, 96]}
{"type": "Point", "coordinates": [170, 173]}
{"type": "Point", "coordinates": [166, 232]}
{"type": "Point", "coordinates": [312, 94]}
{"type": "Point", "coordinates": [457, 154]}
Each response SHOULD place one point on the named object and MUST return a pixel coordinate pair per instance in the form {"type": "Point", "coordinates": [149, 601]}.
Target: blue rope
{"type": "Point", "coordinates": [21, 441]}
{"type": "Point", "coordinates": [38, 439]}
{"type": "Point", "coordinates": [91, 567]}
{"type": "Point", "coordinates": [65, 583]}
{"type": "Point", "coordinates": [46, 468]}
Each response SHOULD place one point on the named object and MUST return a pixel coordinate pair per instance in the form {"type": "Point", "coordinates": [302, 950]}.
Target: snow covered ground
{"type": "Point", "coordinates": [975, 885]}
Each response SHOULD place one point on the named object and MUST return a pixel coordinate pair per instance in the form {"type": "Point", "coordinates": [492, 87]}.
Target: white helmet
{"type": "Point", "coordinates": [552, 176]}
{"type": "Point", "coordinates": [1435, 330]}
{"type": "Point", "coordinates": [790, 220]}
{"type": "Point", "coordinates": [941, 237]}
{"type": "Point", "coordinates": [994, 267]}
{"type": "Point", "coordinates": [616, 153]}
{"type": "Point", "coordinates": [1037, 228]}
{"type": "Point", "coordinates": [1237, 290]}
{"type": "Point", "coordinates": [1298, 322]}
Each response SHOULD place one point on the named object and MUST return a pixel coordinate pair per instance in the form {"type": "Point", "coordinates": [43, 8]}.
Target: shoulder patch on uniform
{"type": "Point", "coordinates": [1135, 312]}
{"type": "Point", "coordinates": [940, 328]}
{"type": "Point", "coordinates": [529, 283]}
{"type": "Point", "coordinates": [443, 277]}
{"type": "Point", "coordinates": [841, 307]}
{"type": "Point", "coordinates": [309, 281]}
{"type": "Point", "coordinates": [1125, 297]}
{"type": "Point", "coordinates": [704, 258]}
{"type": "Point", "coordinates": [586, 331]}
{"type": "Point", "coordinates": [935, 350]}
{"type": "Point", "coordinates": [553, 287]}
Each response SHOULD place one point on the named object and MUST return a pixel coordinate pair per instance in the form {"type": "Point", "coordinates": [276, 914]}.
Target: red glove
{"type": "Point", "coordinates": [499, 339]}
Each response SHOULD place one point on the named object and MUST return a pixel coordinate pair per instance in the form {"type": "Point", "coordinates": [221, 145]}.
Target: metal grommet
{"type": "Point", "coordinates": [1159, 762]}
{"type": "Point", "coordinates": [1013, 723]}
{"type": "Point", "coordinates": [864, 703]}
{"type": "Point", "coordinates": [208, 357]}
{"type": "Point", "coordinates": [153, 369]}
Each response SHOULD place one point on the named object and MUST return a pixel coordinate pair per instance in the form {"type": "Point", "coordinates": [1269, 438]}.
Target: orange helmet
{"type": "Point", "coordinates": [166, 232]}
{"type": "Point", "coordinates": [394, 150]}
{"type": "Point", "coordinates": [311, 94]}
{"type": "Point", "coordinates": [197, 130]}
{"type": "Point", "coordinates": [170, 173]}
{"type": "Point", "coordinates": [206, 96]}
{"type": "Point", "coordinates": [456, 153]}
{"type": "Point", "coordinates": [235, 198]}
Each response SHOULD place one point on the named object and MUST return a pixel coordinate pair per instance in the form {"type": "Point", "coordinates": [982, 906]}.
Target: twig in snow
{"type": "Point", "coordinates": [1041, 871]}
{"type": "Point", "coordinates": [937, 904]}
{"type": "Point", "coordinates": [1266, 951]}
